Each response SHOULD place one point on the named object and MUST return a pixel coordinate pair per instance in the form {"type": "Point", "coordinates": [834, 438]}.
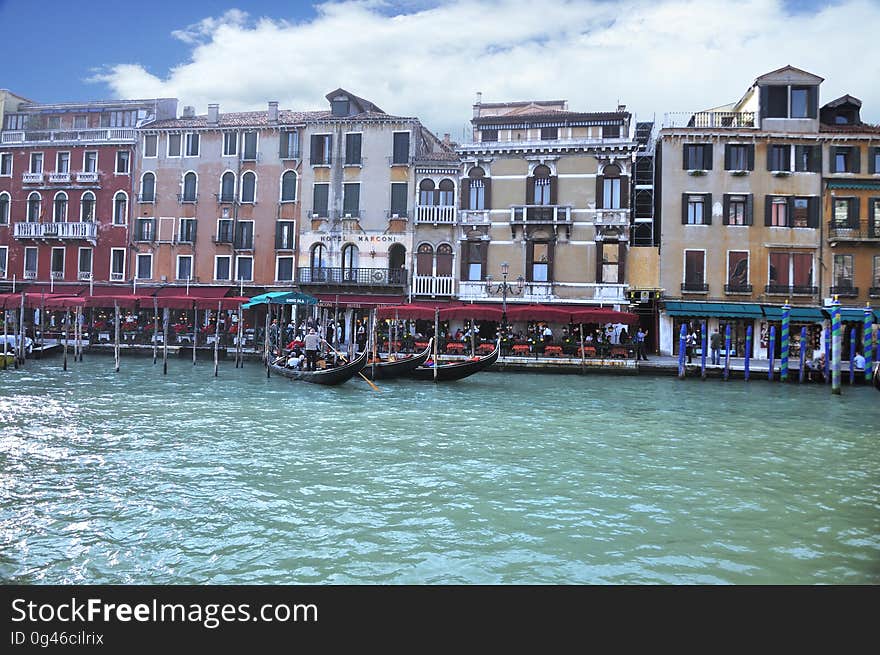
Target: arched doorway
{"type": "Point", "coordinates": [397, 264]}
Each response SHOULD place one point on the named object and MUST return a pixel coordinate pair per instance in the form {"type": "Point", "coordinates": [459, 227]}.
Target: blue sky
{"type": "Point", "coordinates": [427, 58]}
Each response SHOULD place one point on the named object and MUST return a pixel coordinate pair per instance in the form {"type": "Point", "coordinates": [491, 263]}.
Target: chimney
{"type": "Point", "coordinates": [213, 114]}
{"type": "Point", "coordinates": [447, 139]}
{"type": "Point", "coordinates": [273, 112]}
{"type": "Point", "coordinates": [621, 108]}
{"type": "Point", "coordinates": [189, 112]}
{"type": "Point", "coordinates": [477, 104]}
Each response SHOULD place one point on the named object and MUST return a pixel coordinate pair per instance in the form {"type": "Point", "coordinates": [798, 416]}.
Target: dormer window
{"type": "Point", "coordinates": [340, 107]}
{"type": "Point", "coordinates": [783, 101]}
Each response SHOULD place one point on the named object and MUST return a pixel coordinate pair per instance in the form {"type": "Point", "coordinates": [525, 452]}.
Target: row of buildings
{"type": "Point", "coordinates": [720, 215]}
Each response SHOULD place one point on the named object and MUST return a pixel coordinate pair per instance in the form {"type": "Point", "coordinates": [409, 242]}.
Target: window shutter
{"type": "Point", "coordinates": [707, 156]}
{"type": "Point", "coordinates": [750, 209]}
{"type": "Point", "coordinates": [727, 156]}
{"type": "Point", "coordinates": [684, 157]}
{"type": "Point", "coordinates": [624, 192]}
{"type": "Point", "coordinates": [872, 216]}
{"type": "Point", "coordinates": [282, 145]}
{"type": "Point", "coordinates": [725, 219]}
{"type": "Point", "coordinates": [551, 255]}
{"type": "Point", "coordinates": [487, 193]}
{"type": "Point", "coordinates": [621, 263]}
{"type": "Point", "coordinates": [789, 211]}
{"type": "Point", "coordinates": [554, 189]}
{"type": "Point", "coordinates": [313, 150]}
{"type": "Point", "coordinates": [684, 208]}
{"type": "Point", "coordinates": [600, 192]}
{"type": "Point", "coordinates": [464, 194]}
{"type": "Point", "coordinates": [465, 258]}
{"type": "Point", "coordinates": [707, 209]}
{"type": "Point", "coordinates": [530, 191]}
{"type": "Point", "coordinates": [769, 156]}
{"type": "Point", "coordinates": [278, 236]}
{"type": "Point", "coordinates": [530, 260]}
{"type": "Point", "coordinates": [855, 208]}
{"type": "Point", "coordinates": [484, 256]}
{"type": "Point", "coordinates": [750, 165]}
{"type": "Point", "coordinates": [872, 154]}
{"type": "Point", "coordinates": [764, 101]}
{"type": "Point", "coordinates": [599, 257]}
{"type": "Point", "coordinates": [812, 101]}
{"type": "Point", "coordinates": [832, 163]}
{"type": "Point", "coordinates": [768, 210]}
{"type": "Point", "coordinates": [816, 159]}
{"type": "Point", "coordinates": [813, 212]}
{"type": "Point", "coordinates": [856, 159]}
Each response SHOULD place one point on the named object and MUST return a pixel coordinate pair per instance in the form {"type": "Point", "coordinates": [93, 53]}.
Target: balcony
{"type": "Point", "coordinates": [854, 231]}
{"type": "Point", "coordinates": [88, 231]}
{"type": "Point", "coordinates": [694, 287]}
{"type": "Point", "coordinates": [185, 199]}
{"type": "Point", "coordinates": [785, 290]}
{"type": "Point", "coordinates": [710, 119]}
{"type": "Point", "coordinates": [146, 198]}
{"type": "Point", "coordinates": [57, 275]}
{"type": "Point", "coordinates": [538, 291]}
{"type": "Point", "coordinates": [612, 217]}
{"type": "Point", "coordinates": [845, 291]}
{"type": "Point", "coordinates": [353, 276]}
{"type": "Point", "coordinates": [472, 290]}
{"type": "Point", "coordinates": [473, 217]}
{"type": "Point", "coordinates": [435, 214]}
{"type": "Point", "coordinates": [87, 176]}
{"type": "Point", "coordinates": [31, 178]}
{"type": "Point", "coordinates": [429, 285]}
{"type": "Point", "coordinates": [111, 134]}
{"type": "Point", "coordinates": [117, 277]}
{"type": "Point", "coordinates": [59, 178]}
{"type": "Point", "coordinates": [733, 289]}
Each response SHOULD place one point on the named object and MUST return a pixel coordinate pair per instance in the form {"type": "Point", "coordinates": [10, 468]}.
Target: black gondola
{"type": "Point", "coordinates": [457, 370]}
{"type": "Point", "coordinates": [876, 376]}
{"type": "Point", "coordinates": [328, 376]}
{"type": "Point", "coordinates": [396, 369]}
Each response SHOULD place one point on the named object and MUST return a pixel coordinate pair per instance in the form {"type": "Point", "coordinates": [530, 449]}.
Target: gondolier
{"type": "Point", "coordinates": [312, 342]}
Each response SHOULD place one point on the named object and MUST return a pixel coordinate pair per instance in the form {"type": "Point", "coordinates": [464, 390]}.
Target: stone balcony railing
{"type": "Point", "coordinates": [87, 231]}
{"type": "Point", "coordinates": [59, 178]}
{"type": "Point", "coordinates": [710, 119]}
{"type": "Point", "coordinates": [112, 134]}
{"type": "Point", "coordinates": [87, 176]}
{"type": "Point", "coordinates": [32, 178]}
{"type": "Point", "coordinates": [473, 216]}
{"type": "Point", "coordinates": [436, 214]}
{"type": "Point", "coordinates": [430, 285]}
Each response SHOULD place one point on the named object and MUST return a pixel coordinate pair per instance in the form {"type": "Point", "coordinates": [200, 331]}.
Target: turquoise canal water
{"type": "Point", "coordinates": [501, 478]}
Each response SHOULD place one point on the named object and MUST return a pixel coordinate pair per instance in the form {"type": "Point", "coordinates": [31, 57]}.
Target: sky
{"type": "Point", "coordinates": [429, 59]}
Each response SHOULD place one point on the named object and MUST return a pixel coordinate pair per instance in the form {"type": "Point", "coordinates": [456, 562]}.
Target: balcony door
{"type": "Point", "coordinates": [350, 262]}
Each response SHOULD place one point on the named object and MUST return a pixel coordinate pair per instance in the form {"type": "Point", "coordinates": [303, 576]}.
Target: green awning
{"type": "Point", "coordinates": [849, 314]}
{"type": "Point", "coordinates": [854, 184]}
{"type": "Point", "coordinates": [719, 309]}
{"type": "Point", "coordinates": [281, 298]}
{"type": "Point", "coordinates": [797, 315]}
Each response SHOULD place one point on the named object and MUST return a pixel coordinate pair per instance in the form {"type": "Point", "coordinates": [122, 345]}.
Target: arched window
{"type": "Point", "coordinates": [447, 193]}
{"type": "Point", "coordinates": [444, 260]}
{"type": "Point", "coordinates": [59, 209]}
{"type": "Point", "coordinates": [227, 187]}
{"type": "Point", "coordinates": [349, 262]}
{"type": "Point", "coordinates": [397, 264]}
{"type": "Point", "coordinates": [426, 193]}
{"type": "Point", "coordinates": [148, 187]}
{"type": "Point", "coordinates": [611, 187]}
{"type": "Point", "coordinates": [318, 263]}
{"type": "Point", "coordinates": [477, 199]}
{"type": "Point", "coordinates": [249, 187]}
{"type": "Point", "coordinates": [35, 201]}
{"type": "Point", "coordinates": [87, 207]}
{"type": "Point", "coordinates": [120, 208]}
{"type": "Point", "coordinates": [190, 182]}
{"type": "Point", "coordinates": [542, 186]}
{"type": "Point", "coordinates": [4, 208]}
{"type": "Point", "coordinates": [425, 259]}
{"type": "Point", "coordinates": [288, 186]}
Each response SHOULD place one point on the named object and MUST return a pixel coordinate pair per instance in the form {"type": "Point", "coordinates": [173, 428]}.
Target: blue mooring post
{"type": "Point", "coordinates": [783, 359]}
{"type": "Point", "coordinates": [852, 356]}
{"type": "Point", "coordinates": [727, 352]}
{"type": "Point", "coordinates": [827, 355]}
{"type": "Point", "coordinates": [748, 352]}
{"type": "Point", "coordinates": [681, 348]}
{"type": "Point", "coordinates": [703, 341]}
{"type": "Point", "coordinates": [803, 353]}
{"type": "Point", "coordinates": [836, 346]}
{"type": "Point", "coordinates": [772, 352]}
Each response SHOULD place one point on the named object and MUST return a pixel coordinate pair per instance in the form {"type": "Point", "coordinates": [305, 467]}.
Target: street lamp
{"type": "Point", "coordinates": [504, 287]}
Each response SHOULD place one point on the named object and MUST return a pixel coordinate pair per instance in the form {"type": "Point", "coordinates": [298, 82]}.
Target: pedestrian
{"type": "Point", "coordinates": [715, 344]}
{"type": "Point", "coordinates": [690, 343]}
{"type": "Point", "coordinates": [640, 344]}
{"type": "Point", "coordinates": [312, 342]}
{"type": "Point", "coordinates": [547, 334]}
{"type": "Point", "coordinates": [859, 361]}
{"type": "Point", "coordinates": [273, 333]}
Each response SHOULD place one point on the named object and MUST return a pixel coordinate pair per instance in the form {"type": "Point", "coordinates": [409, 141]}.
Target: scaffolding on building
{"type": "Point", "coordinates": [643, 229]}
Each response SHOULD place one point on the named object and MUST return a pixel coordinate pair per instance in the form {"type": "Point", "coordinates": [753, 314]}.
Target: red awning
{"type": "Point", "coordinates": [417, 310]}
{"type": "Point", "coordinates": [539, 313]}
{"type": "Point", "coordinates": [36, 300]}
{"type": "Point", "coordinates": [477, 312]}
{"type": "Point", "coordinates": [357, 301]}
{"type": "Point", "coordinates": [10, 300]}
{"type": "Point", "coordinates": [126, 300]}
{"type": "Point", "coordinates": [188, 302]}
{"type": "Point", "coordinates": [63, 302]}
{"type": "Point", "coordinates": [603, 316]}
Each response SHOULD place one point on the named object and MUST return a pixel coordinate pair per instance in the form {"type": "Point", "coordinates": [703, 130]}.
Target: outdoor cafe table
{"type": "Point", "coordinates": [454, 347]}
{"type": "Point", "coordinates": [553, 351]}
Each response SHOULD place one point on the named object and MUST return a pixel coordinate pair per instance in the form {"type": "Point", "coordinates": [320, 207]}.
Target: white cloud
{"type": "Point", "coordinates": [428, 59]}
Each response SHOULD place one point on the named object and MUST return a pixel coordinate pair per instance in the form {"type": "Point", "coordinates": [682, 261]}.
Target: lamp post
{"type": "Point", "coordinates": [504, 288]}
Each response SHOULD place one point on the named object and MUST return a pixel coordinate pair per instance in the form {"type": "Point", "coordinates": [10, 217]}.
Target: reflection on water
{"type": "Point", "coordinates": [502, 478]}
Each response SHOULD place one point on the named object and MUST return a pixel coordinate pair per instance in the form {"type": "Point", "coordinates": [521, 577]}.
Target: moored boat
{"type": "Point", "coordinates": [876, 376]}
{"type": "Point", "coordinates": [385, 370]}
{"type": "Point", "coordinates": [456, 370]}
{"type": "Point", "coordinates": [327, 376]}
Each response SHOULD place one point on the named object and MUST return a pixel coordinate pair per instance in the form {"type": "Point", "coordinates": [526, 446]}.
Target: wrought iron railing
{"type": "Point", "coordinates": [353, 276]}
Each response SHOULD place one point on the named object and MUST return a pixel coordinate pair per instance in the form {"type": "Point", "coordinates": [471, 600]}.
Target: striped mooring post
{"type": "Point", "coordinates": [803, 354]}
{"type": "Point", "coordinates": [852, 356]}
{"type": "Point", "coordinates": [836, 346]}
{"type": "Point", "coordinates": [783, 358]}
{"type": "Point", "coordinates": [703, 342]}
{"type": "Point", "coordinates": [727, 352]}
{"type": "Point", "coordinates": [772, 356]}
{"type": "Point", "coordinates": [681, 348]}
{"type": "Point", "coordinates": [867, 335]}
{"type": "Point", "coordinates": [748, 352]}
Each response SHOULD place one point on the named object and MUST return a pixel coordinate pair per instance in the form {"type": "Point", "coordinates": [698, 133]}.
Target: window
{"type": "Point", "coordinates": [843, 271]}
{"type": "Point", "coordinates": [120, 208]}
{"type": "Point", "coordinates": [399, 195]}
{"type": "Point", "coordinates": [144, 266]}
{"type": "Point", "coordinates": [778, 157]}
{"type": "Point", "coordinates": [192, 144]}
{"type": "Point", "coordinates": [288, 186]}
{"type": "Point", "coordinates": [320, 150]}
{"type": "Point", "coordinates": [611, 187]}
{"type": "Point", "coordinates": [611, 131]}
{"type": "Point", "coordinates": [285, 235]}
{"type": "Point", "coordinates": [698, 157]}
{"type": "Point", "coordinates": [352, 149]}
{"type": "Point", "coordinates": [800, 102]}
{"type": "Point", "coordinates": [87, 207]}
{"type": "Point", "coordinates": [122, 160]}
{"type": "Point", "coordinates": [30, 263]}
{"type": "Point", "coordinates": [779, 212]}
{"type": "Point", "coordinates": [808, 159]}
{"type": "Point", "coordinates": [119, 118]}
{"type": "Point", "coordinates": [549, 133]}
{"type": "Point", "coordinates": [145, 229]}
{"type": "Point", "coordinates": [190, 185]}
{"type": "Point", "coordinates": [446, 193]}
{"type": "Point", "coordinates": [4, 208]}
{"type": "Point", "coordinates": [53, 122]}
{"type": "Point", "coordinates": [117, 264]}
{"type": "Point", "coordinates": [80, 122]}
{"type": "Point", "coordinates": [284, 269]}
{"type": "Point", "coordinates": [542, 186]}
{"type": "Point", "coordinates": [244, 268]}
{"type": "Point", "coordinates": [36, 162]}
{"type": "Point", "coordinates": [790, 270]}
{"type": "Point", "coordinates": [16, 122]}
{"type": "Point", "coordinates": [187, 231]}
{"type": "Point", "coordinates": [846, 212]}
{"type": "Point", "coordinates": [738, 210]}
{"type": "Point", "coordinates": [777, 102]}
{"type": "Point", "coordinates": [244, 235]}
{"type": "Point", "coordinates": [288, 147]}
{"type": "Point", "coordinates": [57, 263]}
{"type": "Point", "coordinates": [151, 145]}
{"type": "Point", "coordinates": [339, 107]}
{"type": "Point", "coordinates": [472, 252]}
{"type": "Point", "coordinates": [609, 264]}
{"type": "Point", "coordinates": [174, 145]}
{"type": "Point", "coordinates": [222, 267]}
{"type": "Point", "coordinates": [800, 212]}
{"type": "Point", "coordinates": [249, 187]}
{"type": "Point", "coordinates": [319, 199]}
{"type": "Point", "coordinates": [425, 260]}
{"type": "Point", "coordinates": [351, 194]}
{"type": "Point", "coordinates": [318, 259]}
{"type": "Point", "coordinates": [84, 267]}
{"type": "Point", "coordinates": [426, 193]}
{"type": "Point", "coordinates": [59, 209]}
{"type": "Point", "coordinates": [227, 187]}
{"type": "Point", "coordinates": [250, 146]}
{"type": "Point", "coordinates": [874, 160]}
{"type": "Point", "coordinates": [739, 157]}
{"type": "Point", "coordinates": [148, 187]}
{"type": "Point", "coordinates": [694, 270]}
{"type": "Point", "coordinates": [5, 164]}
{"type": "Point", "coordinates": [224, 230]}
{"type": "Point", "coordinates": [696, 209]}
{"type": "Point", "coordinates": [35, 201]}
{"type": "Point", "coordinates": [845, 159]}
{"type": "Point", "coordinates": [738, 270]}
{"type": "Point", "coordinates": [540, 262]}
{"type": "Point", "coordinates": [230, 144]}
{"type": "Point", "coordinates": [476, 196]}
{"type": "Point", "coordinates": [90, 161]}
{"type": "Point", "coordinates": [349, 262]}
{"type": "Point", "coordinates": [62, 162]}
{"type": "Point", "coordinates": [184, 267]}
{"type": "Point", "coordinates": [874, 218]}
{"type": "Point", "coordinates": [400, 154]}
{"type": "Point", "coordinates": [444, 260]}
{"type": "Point", "coordinates": [4, 260]}
{"type": "Point", "coordinates": [488, 135]}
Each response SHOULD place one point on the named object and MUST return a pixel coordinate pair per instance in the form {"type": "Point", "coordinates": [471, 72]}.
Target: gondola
{"type": "Point", "coordinates": [457, 370]}
{"type": "Point", "coordinates": [396, 369]}
{"type": "Point", "coordinates": [328, 376]}
{"type": "Point", "coordinates": [876, 376]}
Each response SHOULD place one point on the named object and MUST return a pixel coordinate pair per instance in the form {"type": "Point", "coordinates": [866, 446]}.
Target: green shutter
{"type": "Point", "coordinates": [600, 192]}
{"type": "Point", "coordinates": [856, 159]}
{"type": "Point", "coordinates": [727, 156]}
{"type": "Point", "coordinates": [707, 156]}
{"type": "Point", "coordinates": [750, 209]}
{"type": "Point", "coordinates": [707, 209]}
{"type": "Point", "coordinates": [464, 193]}
{"type": "Point", "coordinates": [684, 208]}
{"type": "Point", "coordinates": [725, 219]}
{"type": "Point", "coordinates": [750, 149]}
{"type": "Point", "coordinates": [813, 212]}
{"type": "Point", "coordinates": [815, 159]}
{"type": "Point", "coordinates": [768, 210]}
